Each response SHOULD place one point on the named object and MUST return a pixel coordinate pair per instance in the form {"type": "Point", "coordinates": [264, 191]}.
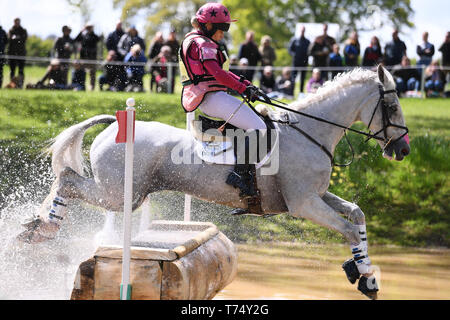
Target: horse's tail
{"type": "Point", "coordinates": [66, 147]}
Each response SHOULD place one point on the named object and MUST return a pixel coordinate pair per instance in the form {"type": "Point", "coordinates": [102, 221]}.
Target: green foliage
{"type": "Point", "coordinates": [406, 203]}
{"type": "Point", "coordinates": [38, 47]}
{"type": "Point", "coordinates": [176, 13]}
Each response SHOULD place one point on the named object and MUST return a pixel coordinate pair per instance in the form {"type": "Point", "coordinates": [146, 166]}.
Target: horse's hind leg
{"type": "Point", "coordinates": [68, 185]}
{"type": "Point", "coordinates": [360, 264]}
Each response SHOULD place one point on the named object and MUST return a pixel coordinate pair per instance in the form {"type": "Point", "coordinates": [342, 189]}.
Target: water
{"type": "Point", "coordinates": [304, 272]}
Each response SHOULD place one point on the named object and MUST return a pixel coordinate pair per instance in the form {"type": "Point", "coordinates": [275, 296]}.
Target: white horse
{"type": "Point", "coordinates": [299, 188]}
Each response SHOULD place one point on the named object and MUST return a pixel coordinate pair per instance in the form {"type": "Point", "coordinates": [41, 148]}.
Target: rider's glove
{"type": "Point", "coordinates": [254, 93]}
{"type": "Point", "coordinates": [251, 93]}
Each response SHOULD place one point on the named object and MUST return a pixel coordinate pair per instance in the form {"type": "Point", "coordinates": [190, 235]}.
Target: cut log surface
{"type": "Point", "coordinates": [171, 260]}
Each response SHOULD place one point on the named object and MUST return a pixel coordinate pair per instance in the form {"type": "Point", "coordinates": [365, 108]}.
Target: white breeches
{"type": "Point", "coordinates": [222, 105]}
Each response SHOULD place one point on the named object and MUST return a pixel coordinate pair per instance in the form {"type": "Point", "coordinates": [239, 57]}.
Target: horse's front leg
{"type": "Point", "coordinates": [360, 264]}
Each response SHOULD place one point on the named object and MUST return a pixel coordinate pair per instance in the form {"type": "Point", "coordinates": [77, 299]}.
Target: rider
{"type": "Point", "coordinates": [206, 79]}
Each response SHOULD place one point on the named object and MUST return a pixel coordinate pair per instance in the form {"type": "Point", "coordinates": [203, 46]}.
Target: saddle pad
{"type": "Point", "coordinates": [222, 153]}
{"type": "Point", "coordinates": [217, 152]}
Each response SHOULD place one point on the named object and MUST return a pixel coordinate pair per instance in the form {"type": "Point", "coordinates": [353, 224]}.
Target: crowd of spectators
{"type": "Point", "coordinates": [122, 70]}
{"type": "Point", "coordinates": [124, 66]}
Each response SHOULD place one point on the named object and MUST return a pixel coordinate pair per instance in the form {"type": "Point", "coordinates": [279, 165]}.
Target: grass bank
{"type": "Point", "coordinates": [405, 203]}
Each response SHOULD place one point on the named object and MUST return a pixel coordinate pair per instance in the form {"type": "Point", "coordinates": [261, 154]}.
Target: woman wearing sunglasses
{"type": "Point", "coordinates": [206, 79]}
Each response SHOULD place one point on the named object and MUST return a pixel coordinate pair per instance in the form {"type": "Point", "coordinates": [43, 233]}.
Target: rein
{"type": "Point", "coordinates": [385, 110]}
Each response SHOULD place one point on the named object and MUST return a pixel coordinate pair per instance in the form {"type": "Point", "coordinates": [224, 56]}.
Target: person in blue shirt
{"type": "Point", "coordinates": [352, 50]}
{"type": "Point", "coordinates": [298, 49]}
{"type": "Point", "coordinates": [335, 60]}
{"type": "Point", "coordinates": [135, 73]}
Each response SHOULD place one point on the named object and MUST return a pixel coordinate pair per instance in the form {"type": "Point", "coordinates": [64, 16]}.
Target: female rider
{"type": "Point", "coordinates": [205, 79]}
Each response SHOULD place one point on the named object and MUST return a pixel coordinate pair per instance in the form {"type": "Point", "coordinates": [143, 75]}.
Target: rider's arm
{"type": "Point", "coordinates": [223, 77]}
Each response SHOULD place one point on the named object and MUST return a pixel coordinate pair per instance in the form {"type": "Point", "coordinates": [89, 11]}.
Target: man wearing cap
{"type": "Point", "coordinates": [88, 40]}
{"type": "Point", "coordinates": [63, 50]}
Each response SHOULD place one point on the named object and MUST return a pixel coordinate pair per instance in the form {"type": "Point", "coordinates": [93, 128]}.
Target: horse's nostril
{"type": "Point", "coordinates": [405, 151]}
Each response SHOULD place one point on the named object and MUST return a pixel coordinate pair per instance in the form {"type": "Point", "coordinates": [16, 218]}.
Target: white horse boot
{"type": "Point", "coordinates": [40, 229]}
{"type": "Point", "coordinates": [359, 267]}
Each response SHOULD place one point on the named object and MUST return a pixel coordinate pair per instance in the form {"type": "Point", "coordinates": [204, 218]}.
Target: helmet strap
{"type": "Point", "coordinates": [206, 32]}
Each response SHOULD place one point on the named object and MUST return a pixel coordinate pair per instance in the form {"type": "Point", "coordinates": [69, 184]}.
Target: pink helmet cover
{"type": "Point", "coordinates": [214, 13]}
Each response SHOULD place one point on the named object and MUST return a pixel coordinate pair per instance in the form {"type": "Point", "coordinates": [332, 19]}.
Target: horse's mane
{"type": "Point", "coordinates": [339, 83]}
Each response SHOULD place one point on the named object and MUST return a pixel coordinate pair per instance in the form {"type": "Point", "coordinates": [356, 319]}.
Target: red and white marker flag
{"type": "Point", "coordinates": [121, 117]}
{"type": "Point", "coordinates": [126, 121]}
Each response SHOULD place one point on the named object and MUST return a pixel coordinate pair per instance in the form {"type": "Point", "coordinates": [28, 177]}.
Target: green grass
{"type": "Point", "coordinates": [405, 203]}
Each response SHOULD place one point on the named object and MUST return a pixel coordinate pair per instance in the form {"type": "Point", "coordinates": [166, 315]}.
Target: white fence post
{"type": "Point", "coordinates": [190, 116]}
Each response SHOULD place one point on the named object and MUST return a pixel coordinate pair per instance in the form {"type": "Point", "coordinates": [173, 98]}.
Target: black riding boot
{"type": "Point", "coordinates": [242, 178]}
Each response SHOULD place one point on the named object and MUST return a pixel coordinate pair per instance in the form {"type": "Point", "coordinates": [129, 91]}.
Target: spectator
{"type": "Point", "coordinates": [352, 50]}
{"type": "Point", "coordinates": [284, 83]}
{"type": "Point", "coordinates": [78, 77]}
{"type": "Point", "coordinates": [298, 49]}
{"type": "Point", "coordinates": [113, 40]}
{"type": "Point", "coordinates": [161, 72]}
{"type": "Point", "coordinates": [174, 45]}
{"type": "Point", "coordinates": [88, 40]}
{"type": "Point", "coordinates": [425, 51]}
{"type": "Point", "coordinates": [63, 50]}
{"type": "Point", "coordinates": [54, 75]}
{"type": "Point", "coordinates": [128, 40]}
{"type": "Point", "coordinates": [234, 64]}
{"type": "Point", "coordinates": [3, 42]}
{"type": "Point", "coordinates": [243, 71]}
{"type": "Point", "coordinates": [249, 50]}
{"type": "Point", "coordinates": [315, 82]}
{"type": "Point", "coordinates": [445, 49]}
{"type": "Point", "coordinates": [135, 73]}
{"type": "Point", "coordinates": [406, 78]}
{"type": "Point", "coordinates": [155, 49]}
{"type": "Point", "coordinates": [372, 54]}
{"type": "Point", "coordinates": [114, 75]}
{"type": "Point", "coordinates": [17, 38]}
{"type": "Point", "coordinates": [267, 52]}
{"type": "Point", "coordinates": [267, 83]}
{"type": "Point", "coordinates": [320, 49]}
{"type": "Point", "coordinates": [156, 45]}
{"type": "Point", "coordinates": [335, 60]}
{"type": "Point", "coordinates": [394, 50]}
{"type": "Point", "coordinates": [434, 79]}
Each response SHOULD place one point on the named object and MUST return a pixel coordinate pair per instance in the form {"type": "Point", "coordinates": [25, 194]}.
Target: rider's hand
{"type": "Point", "coordinates": [254, 93]}
{"type": "Point", "coordinates": [251, 92]}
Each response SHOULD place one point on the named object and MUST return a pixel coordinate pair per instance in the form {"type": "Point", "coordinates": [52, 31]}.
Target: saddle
{"type": "Point", "coordinates": [215, 146]}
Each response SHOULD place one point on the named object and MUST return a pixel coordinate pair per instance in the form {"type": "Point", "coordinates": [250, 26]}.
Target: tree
{"type": "Point", "coordinates": [176, 13]}
{"type": "Point", "coordinates": [278, 18]}
{"type": "Point", "coordinates": [82, 6]}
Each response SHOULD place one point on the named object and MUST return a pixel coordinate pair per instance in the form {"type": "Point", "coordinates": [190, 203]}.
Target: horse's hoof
{"type": "Point", "coordinates": [351, 270]}
{"type": "Point", "coordinates": [37, 231]}
{"type": "Point", "coordinates": [32, 237]}
{"type": "Point", "coordinates": [368, 287]}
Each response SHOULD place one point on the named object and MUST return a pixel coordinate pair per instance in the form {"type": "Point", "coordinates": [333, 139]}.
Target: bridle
{"type": "Point", "coordinates": [386, 113]}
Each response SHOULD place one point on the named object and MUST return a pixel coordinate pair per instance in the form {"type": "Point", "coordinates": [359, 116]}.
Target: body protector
{"type": "Point", "coordinates": [194, 77]}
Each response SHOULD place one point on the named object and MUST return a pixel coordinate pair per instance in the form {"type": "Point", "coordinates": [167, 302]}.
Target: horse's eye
{"type": "Point", "coordinates": [391, 109]}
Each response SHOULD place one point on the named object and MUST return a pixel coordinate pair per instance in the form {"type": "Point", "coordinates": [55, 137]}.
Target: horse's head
{"type": "Point", "coordinates": [386, 121]}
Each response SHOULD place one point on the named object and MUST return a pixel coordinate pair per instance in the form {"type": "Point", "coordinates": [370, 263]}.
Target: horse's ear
{"type": "Point", "coordinates": [381, 73]}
